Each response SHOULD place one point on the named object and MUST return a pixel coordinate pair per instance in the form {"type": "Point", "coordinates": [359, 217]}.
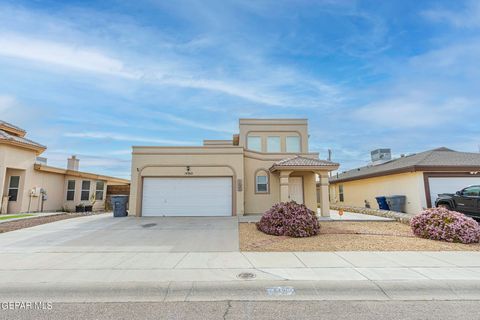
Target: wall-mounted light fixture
{"type": "Point", "coordinates": [188, 171]}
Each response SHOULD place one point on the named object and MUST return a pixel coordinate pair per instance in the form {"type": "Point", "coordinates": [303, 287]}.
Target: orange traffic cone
{"type": "Point", "coordinates": [340, 212]}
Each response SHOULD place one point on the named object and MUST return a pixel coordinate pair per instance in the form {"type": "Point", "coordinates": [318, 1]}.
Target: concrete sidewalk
{"type": "Point", "coordinates": [135, 266]}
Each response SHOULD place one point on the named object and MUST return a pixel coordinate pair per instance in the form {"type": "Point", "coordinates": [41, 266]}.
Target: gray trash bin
{"type": "Point", "coordinates": [119, 205]}
{"type": "Point", "coordinates": [397, 203]}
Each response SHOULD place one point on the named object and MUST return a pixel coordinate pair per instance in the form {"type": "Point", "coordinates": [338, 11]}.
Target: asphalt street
{"type": "Point", "coordinates": [337, 310]}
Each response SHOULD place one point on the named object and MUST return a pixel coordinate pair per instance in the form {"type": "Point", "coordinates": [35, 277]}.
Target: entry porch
{"type": "Point", "coordinates": [298, 181]}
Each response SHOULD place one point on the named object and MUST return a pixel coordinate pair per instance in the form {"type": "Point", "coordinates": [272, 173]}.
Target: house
{"type": "Point", "coordinates": [28, 184]}
{"type": "Point", "coordinates": [420, 177]}
{"type": "Point", "coordinates": [267, 162]}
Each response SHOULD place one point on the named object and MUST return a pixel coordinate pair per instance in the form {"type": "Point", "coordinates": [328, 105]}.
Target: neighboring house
{"type": "Point", "coordinates": [266, 163]}
{"type": "Point", "coordinates": [27, 184]}
{"type": "Point", "coordinates": [420, 177]}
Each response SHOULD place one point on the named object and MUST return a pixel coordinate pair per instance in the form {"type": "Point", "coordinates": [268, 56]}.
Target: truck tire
{"type": "Point", "coordinates": [444, 205]}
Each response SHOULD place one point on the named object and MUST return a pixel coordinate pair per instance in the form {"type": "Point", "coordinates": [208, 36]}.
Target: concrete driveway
{"type": "Point", "coordinates": [105, 233]}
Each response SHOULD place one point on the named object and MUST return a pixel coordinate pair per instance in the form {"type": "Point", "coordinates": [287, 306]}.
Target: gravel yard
{"type": "Point", "coordinates": [32, 222]}
{"type": "Point", "coordinates": [347, 236]}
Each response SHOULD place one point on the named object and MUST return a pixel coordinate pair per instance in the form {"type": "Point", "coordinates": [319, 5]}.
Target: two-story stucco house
{"type": "Point", "coordinates": [267, 162]}
{"type": "Point", "coordinates": [28, 184]}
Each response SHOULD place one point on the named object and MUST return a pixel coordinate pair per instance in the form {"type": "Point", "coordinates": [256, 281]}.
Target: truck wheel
{"type": "Point", "coordinates": [445, 206]}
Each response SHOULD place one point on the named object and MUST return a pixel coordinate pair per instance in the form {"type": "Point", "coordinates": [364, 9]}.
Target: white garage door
{"type": "Point", "coordinates": [187, 197]}
{"type": "Point", "coordinates": [449, 185]}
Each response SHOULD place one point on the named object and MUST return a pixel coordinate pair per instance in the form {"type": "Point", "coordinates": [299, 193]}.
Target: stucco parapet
{"type": "Point", "coordinates": [211, 149]}
{"type": "Point", "coordinates": [273, 121]}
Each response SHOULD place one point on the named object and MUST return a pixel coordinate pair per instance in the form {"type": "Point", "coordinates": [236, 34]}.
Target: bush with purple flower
{"type": "Point", "coordinates": [289, 219]}
{"type": "Point", "coordinates": [445, 225]}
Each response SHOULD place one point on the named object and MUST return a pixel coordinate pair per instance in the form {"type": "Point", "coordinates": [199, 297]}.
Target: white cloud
{"type": "Point", "coordinates": [267, 91]}
{"type": "Point", "coordinates": [7, 103]}
{"type": "Point", "coordinates": [196, 124]}
{"type": "Point", "coordinates": [468, 17]}
{"type": "Point", "coordinates": [413, 111]}
{"type": "Point", "coordinates": [126, 138]}
{"type": "Point", "coordinates": [62, 54]}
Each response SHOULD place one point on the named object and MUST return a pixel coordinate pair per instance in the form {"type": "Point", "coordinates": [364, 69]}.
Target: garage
{"type": "Point", "coordinates": [440, 185]}
{"type": "Point", "coordinates": [187, 196]}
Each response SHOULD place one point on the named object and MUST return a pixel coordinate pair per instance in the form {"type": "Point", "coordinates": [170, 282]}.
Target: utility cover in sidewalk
{"type": "Point", "coordinates": [246, 275]}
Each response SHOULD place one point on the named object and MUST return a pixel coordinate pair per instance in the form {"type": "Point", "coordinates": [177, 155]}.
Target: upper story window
{"type": "Point", "coordinates": [292, 144]}
{"type": "Point", "coordinates": [273, 144]}
{"type": "Point", "coordinates": [254, 143]}
{"type": "Point", "coordinates": [71, 190]}
{"type": "Point", "coordinates": [99, 190]}
{"type": "Point", "coordinates": [85, 195]}
{"type": "Point", "coordinates": [13, 188]}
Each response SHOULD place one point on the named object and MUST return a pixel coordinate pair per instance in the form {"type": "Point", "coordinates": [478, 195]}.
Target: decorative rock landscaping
{"type": "Point", "coordinates": [398, 216]}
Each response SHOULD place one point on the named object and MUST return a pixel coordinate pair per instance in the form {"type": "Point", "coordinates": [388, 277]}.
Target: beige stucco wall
{"type": "Point", "coordinates": [70, 205]}
{"type": "Point", "coordinates": [356, 192]}
{"type": "Point", "coordinates": [256, 203]}
{"type": "Point", "coordinates": [259, 203]}
{"type": "Point", "coordinates": [18, 161]}
{"type": "Point", "coordinates": [53, 184]}
{"type": "Point", "coordinates": [216, 159]}
{"type": "Point", "coordinates": [274, 127]}
{"type": "Point", "coordinates": [172, 162]}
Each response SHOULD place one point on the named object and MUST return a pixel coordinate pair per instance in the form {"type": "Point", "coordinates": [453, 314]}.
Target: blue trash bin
{"type": "Point", "coordinates": [382, 203]}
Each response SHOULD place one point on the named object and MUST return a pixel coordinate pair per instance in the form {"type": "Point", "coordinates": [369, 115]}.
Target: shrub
{"type": "Point", "coordinates": [442, 224]}
{"type": "Point", "coordinates": [289, 219]}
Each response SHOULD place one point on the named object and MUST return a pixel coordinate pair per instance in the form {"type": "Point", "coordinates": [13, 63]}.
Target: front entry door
{"type": "Point", "coordinates": [295, 189]}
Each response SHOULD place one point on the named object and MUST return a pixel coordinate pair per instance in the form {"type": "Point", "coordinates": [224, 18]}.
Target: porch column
{"type": "Point", "coordinates": [284, 192]}
{"type": "Point", "coordinates": [324, 199]}
{"type": "Point", "coordinates": [2, 184]}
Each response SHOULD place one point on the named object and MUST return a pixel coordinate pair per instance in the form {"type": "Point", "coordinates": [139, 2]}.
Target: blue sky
{"type": "Point", "coordinates": [94, 78]}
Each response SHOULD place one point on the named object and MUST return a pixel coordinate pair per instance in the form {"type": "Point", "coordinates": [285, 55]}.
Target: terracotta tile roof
{"type": "Point", "coordinates": [441, 157]}
{"type": "Point", "coordinates": [5, 136]}
{"type": "Point", "coordinates": [300, 161]}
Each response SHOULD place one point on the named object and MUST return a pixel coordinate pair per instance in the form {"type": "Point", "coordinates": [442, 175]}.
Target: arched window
{"type": "Point", "coordinates": [262, 181]}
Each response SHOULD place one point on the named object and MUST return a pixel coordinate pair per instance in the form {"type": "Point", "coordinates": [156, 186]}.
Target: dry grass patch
{"type": "Point", "coordinates": [348, 236]}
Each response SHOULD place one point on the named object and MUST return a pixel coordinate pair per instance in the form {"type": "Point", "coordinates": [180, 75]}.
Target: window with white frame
{"type": "Point", "coordinates": [261, 182]}
{"type": "Point", "coordinates": [292, 144]}
{"type": "Point", "coordinates": [273, 144]}
{"type": "Point", "coordinates": [100, 186]}
{"type": "Point", "coordinates": [13, 187]}
{"type": "Point", "coordinates": [254, 143]}
{"type": "Point", "coordinates": [85, 195]}
{"type": "Point", "coordinates": [71, 190]}
{"type": "Point", "coordinates": [340, 193]}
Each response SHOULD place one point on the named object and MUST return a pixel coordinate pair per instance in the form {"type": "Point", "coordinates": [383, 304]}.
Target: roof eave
{"type": "Point", "coordinates": [275, 168]}
{"type": "Point", "coordinates": [16, 131]}
{"type": "Point", "coordinates": [80, 174]}
{"type": "Point", "coordinates": [416, 168]}
{"type": "Point", "coordinates": [38, 149]}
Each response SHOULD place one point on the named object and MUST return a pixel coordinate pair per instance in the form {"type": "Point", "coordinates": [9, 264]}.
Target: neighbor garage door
{"type": "Point", "coordinates": [449, 185]}
{"type": "Point", "coordinates": [187, 196]}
